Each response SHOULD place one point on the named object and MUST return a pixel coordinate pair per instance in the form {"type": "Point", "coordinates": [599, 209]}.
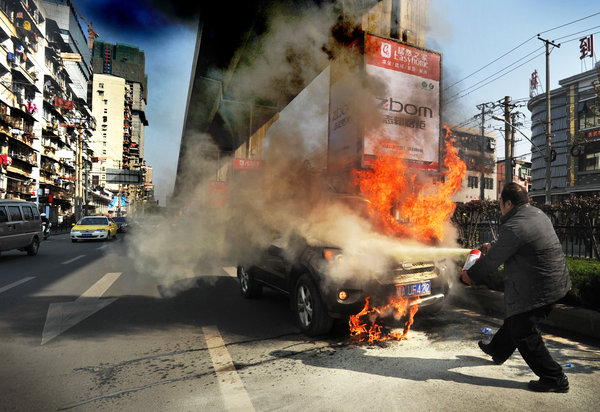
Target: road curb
{"type": "Point", "coordinates": [563, 317]}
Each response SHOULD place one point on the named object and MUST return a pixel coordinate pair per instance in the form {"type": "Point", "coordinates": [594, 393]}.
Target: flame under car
{"type": "Point", "coordinates": [317, 297]}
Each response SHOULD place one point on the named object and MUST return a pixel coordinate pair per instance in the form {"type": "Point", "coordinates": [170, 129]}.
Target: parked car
{"type": "Point", "coordinates": [122, 223]}
{"type": "Point", "coordinates": [94, 227]}
{"type": "Point", "coordinates": [20, 226]}
{"type": "Point", "coordinates": [302, 271]}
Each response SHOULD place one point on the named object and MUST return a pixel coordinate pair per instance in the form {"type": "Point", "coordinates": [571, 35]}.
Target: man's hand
{"type": "Point", "coordinates": [485, 248]}
{"type": "Point", "coordinates": [464, 278]}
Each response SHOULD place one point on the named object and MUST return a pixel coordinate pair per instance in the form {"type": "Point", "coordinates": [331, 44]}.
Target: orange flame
{"type": "Point", "coordinates": [366, 325]}
{"type": "Point", "coordinates": [392, 185]}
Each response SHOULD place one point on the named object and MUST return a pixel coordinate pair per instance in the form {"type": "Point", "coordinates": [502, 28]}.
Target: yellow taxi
{"type": "Point", "coordinates": [94, 227]}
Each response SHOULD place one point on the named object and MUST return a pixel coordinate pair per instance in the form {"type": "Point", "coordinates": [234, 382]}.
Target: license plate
{"type": "Point", "coordinates": [415, 289]}
{"type": "Point", "coordinates": [86, 234]}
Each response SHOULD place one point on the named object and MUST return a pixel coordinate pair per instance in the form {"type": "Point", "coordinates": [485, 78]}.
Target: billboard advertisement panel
{"type": "Point", "coordinates": [410, 111]}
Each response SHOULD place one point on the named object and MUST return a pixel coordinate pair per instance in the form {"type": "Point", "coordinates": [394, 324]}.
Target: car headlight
{"type": "Point", "coordinates": [333, 255]}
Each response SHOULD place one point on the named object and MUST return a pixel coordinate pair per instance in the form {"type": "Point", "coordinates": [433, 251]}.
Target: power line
{"type": "Point", "coordinates": [464, 92]}
{"type": "Point", "coordinates": [490, 63]}
{"type": "Point", "coordinates": [567, 24]}
{"type": "Point", "coordinates": [467, 91]}
{"type": "Point", "coordinates": [518, 46]}
{"type": "Point", "coordinates": [576, 34]}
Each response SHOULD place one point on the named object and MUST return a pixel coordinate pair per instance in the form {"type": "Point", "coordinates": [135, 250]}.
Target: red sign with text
{"type": "Point", "coordinates": [248, 164]}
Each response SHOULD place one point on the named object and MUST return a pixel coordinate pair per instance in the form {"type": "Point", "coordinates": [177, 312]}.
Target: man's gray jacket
{"type": "Point", "coordinates": [535, 269]}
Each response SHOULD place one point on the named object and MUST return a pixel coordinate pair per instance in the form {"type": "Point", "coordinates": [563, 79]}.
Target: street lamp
{"type": "Point", "coordinates": [547, 158]}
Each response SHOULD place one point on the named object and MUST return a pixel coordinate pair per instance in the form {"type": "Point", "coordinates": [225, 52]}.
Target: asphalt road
{"type": "Point", "coordinates": [82, 329]}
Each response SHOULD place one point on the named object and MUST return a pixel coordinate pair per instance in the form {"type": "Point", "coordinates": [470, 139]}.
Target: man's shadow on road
{"type": "Point", "coordinates": [417, 369]}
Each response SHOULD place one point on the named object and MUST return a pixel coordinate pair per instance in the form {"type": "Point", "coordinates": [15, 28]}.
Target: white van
{"type": "Point", "coordinates": [20, 226]}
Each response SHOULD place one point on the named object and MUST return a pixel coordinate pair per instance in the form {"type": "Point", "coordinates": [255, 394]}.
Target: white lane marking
{"type": "Point", "coordinates": [66, 262]}
{"type": "Point", "coordinates": [63, 316]}
{"type": "Point", "coordinates": [97, 289]}
{"type": "Point", "coordinates": [231, 271]}
{"type": "Point", "coordinates": [17, 283]}
{"type": "Point", "coordinates": [103, 246]}
{"type": "Point", "coordinates": [232, 389]}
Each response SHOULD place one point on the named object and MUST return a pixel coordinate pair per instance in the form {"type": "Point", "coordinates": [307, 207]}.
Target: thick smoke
{"type": "Point", "coordinates": [289, 198]}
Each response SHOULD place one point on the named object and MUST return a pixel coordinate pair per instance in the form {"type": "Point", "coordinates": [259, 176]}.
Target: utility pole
{"type": "Point", "coordinates": [482, 140]}
{"type": "Point", "coordinates": [78, 174]}
{"type": "Point", "coordinates": [548, 119]}
{"type": "Point", "coordinates": [85, 193]}
{"type": "Point", "coordinates": [512, 140]}
{"type": "Point", "coordinates": [508, 171]}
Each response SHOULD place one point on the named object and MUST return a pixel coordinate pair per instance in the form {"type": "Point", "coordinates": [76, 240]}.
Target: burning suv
{"type": "Point", "coordinates": [310, 275]}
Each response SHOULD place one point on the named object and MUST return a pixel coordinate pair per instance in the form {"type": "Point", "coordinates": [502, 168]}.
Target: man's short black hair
{"type": "Point", "coordinates": [515, 193]}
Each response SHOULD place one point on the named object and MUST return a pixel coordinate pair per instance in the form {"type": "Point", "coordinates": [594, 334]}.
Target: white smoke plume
{"type": "Point", "coordinates": [290, 197]}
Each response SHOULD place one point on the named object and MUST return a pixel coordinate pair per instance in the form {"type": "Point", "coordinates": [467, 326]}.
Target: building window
{"type": "Point", "coordinates": [489, 183]}
{"type": "Point", "coordinates": [101, 85]}
{"type": "Point", "coordinates": [524, 173]}
{"type": "Point", "coordinates": [586, 112]}
{"type": "Point", "coordinates": [473, 182]}
{"type": "Point", "coordinates": [105, 110]}
{"type": "Point", "coordinates": [591, 162]}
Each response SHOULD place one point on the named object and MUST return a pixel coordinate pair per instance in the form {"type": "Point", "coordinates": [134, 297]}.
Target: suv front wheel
{"type": "Point", "coordinates": [309, 309]}
{"type": "Point", "coordinates": [249, 287]}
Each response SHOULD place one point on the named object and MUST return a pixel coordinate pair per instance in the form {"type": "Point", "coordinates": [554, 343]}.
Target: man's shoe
{"type": "Point", "coordinates": [550, 385]}
{"type": "Point", "coordinates": [486, 349]}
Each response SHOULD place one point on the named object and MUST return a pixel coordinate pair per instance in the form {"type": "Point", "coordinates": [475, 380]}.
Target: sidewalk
{"type": "Point", "coordinates": [568, 318]}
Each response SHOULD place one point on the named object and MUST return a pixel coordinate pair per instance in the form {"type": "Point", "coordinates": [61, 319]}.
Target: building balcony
{"type": "Point", "coordinates": [21, 74]}
{"type": "Point", "coordinates": [12, 121]}
{"type": "Point", "coordinates": [17, 191]}
{"type": "Point", "coordinates": [30, 159]}
{"type": "Point", "coordinates": [19, 171]}
{"type": "Point", "coordinates": [22, 138]}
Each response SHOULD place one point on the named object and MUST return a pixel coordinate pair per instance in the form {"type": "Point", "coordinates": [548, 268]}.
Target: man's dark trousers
{"type": "Point", "coordinates": [522, 332]}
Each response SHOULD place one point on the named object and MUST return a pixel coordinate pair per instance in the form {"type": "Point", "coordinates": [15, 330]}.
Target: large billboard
{"type": "Point", "coordinates": [410, 111]}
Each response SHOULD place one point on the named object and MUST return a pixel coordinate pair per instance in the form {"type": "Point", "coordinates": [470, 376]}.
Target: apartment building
{"type": "Point", "coordinates": [521, 173]}
{"type": "Point", "coordinates": [21, 28]}
{"type": "Point", "coordinates": [71, 56]}
{"type": "Point", "coordinates": [118, 96]}
{"type": "Point", "coordinates": [45, 126]}
{"type": "Point", "coordinates": [479, 154]}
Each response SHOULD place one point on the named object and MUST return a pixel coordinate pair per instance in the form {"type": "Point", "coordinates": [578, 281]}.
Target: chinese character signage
{"type": "Point", "coordinates": [592, 134]}
{"type": "Point", "coordinates": [533, 84]}
{"type": "Point", "coordinates": [586, 47]}
{"type": "Point", "coordinates": [247, 164]}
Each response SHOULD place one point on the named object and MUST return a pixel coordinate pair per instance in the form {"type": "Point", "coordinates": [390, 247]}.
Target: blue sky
{"type": "Point", "coordinates": [471, 34]}
{"type": "Point", "coordinates": [168, 42]}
